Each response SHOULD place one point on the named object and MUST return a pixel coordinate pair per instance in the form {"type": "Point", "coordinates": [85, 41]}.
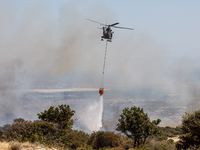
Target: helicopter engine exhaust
{"type": "Point", "coordinates": [101, 91]}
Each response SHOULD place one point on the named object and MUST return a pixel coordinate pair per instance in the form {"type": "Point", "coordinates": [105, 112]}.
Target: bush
{"type": "Point", "coordinates": [161, 138]}
{"type": "Point", "coordinates": [161, 145]}
{"type": "Point", "coordinates": [127, 143]}
{"type": "Point", "coordinates": [19, 130]}
{"type": "Point", "coordinates": [170, 141]}
{"type": "Point", "coordinates": [72, 139]}
{"type": "Point", "coordinates": [37, 131]}
{"type": "Point", "coordinates": [15, 146]}
{"type": "Point", "coordinates": [1, 134]}
{"type": "Point", "coordinates": [170, 131]}
{"type": "Point", "coordinates": [101, 139]}
{"type": "Point", "coordinates": [43, 132]}
{"type": "Point", "coordinates": [16, 131]}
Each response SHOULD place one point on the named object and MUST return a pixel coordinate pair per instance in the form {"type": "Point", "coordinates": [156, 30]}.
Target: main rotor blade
{"type": "Point", "coordinates": [123, 28]}
{"type": "Point", "coordinates": [96, 22]}
{"type": "Point", "coordinates": [114, 24]}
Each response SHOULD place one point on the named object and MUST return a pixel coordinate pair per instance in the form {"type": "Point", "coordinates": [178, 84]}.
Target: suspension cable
{"type": "Point", "coordinates": [104, 64]}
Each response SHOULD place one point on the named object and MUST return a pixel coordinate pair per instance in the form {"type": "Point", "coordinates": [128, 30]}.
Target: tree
{"type": "Point", "coordinates": [19, 120]}
{"type": "Point", "coordinates": [61, 116]}
{"type": "Point", "coordinates": [136, 124]}
{"type": "Point", "coordinates": [191, 131]}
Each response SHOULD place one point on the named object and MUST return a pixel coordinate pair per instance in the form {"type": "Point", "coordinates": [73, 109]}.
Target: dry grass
{"type": "Point", "coordinates": [22, 146]}
{"type": "Point", "coordinates": [5, 146]}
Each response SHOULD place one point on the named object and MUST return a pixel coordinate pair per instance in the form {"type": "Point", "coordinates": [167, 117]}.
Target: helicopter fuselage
{"type": "Point", "coordinates": [107, 34]}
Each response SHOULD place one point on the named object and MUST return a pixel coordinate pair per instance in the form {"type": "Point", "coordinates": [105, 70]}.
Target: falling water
{"type": "Point", "coordinates": [89, 115]}
{"type": "Point", "coordinates": [100, 111]}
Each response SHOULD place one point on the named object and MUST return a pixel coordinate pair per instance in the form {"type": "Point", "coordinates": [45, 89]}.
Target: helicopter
{"type": "Point", "coordinates": [107, 31]}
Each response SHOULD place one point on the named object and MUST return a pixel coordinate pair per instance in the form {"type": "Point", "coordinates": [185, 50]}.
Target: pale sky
{"type": "Point", "coordinates": [175, 24]}
{"type": "Point", "coordinates": [34, 30]}
{"type": "Point", "coordinates": [51, 40]}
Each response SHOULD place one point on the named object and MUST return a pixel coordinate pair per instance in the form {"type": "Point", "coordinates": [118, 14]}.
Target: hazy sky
{"type": "Point", "coordinates": [42, 38]}
{"type": "Point", "coordinates": [50, 39]}
{"type": "Point", "coordinates": [175, 24]}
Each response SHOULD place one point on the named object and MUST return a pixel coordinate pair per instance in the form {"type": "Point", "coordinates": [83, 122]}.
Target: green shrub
{"type": "Point", "coordinates": [16, 131]}
{"type": "Point", "coordinates": [72, 139]}
{"type": "Point", "coordinates": [170, 131]}
{"type": "Point", "coordinates": [161, 138]}
{"type": "Point", "coordinates": [43, 132]}
{"type": "Point", "coordinates": [101, 139]}
{"type": "Point", "coordinates": [170, 141]}
{"type": "Point", "coordinates": [161, 145]}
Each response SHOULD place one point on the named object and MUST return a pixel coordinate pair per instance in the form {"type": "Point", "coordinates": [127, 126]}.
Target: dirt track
{"type": "Point", "coordinates": [176, 138]}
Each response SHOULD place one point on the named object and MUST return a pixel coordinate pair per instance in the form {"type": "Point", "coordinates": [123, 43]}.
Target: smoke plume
{"type": "Point", "coordinates": [38, 43]}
